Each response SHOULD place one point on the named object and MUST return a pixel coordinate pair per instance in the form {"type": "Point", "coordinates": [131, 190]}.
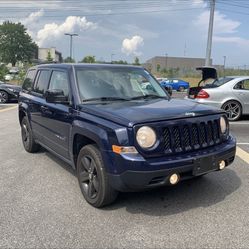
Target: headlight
{"type": "Point", "coordinates": [146, 137]}
{"type": "Point", "coordinates": [223, 125]}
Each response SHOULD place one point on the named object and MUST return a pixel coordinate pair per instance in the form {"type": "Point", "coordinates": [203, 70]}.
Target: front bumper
{"type": "Point", "coordinates": [144, 174]}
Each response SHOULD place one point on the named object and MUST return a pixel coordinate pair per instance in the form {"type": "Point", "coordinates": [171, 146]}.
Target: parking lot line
{"type": "Point", "coordinates": [242, 143]}
{"type": "Point", "coordinates": [8, 109]}
{"type": "Point", "coordinates": [242, 154]}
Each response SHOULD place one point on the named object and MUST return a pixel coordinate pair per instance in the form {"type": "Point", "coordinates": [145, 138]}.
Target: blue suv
{"type": "Point", "coordinates": [117, 135]}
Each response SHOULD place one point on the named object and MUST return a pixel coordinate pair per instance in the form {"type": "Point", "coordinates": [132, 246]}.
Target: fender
{"type": "Point", "coordinates": [96, 133]}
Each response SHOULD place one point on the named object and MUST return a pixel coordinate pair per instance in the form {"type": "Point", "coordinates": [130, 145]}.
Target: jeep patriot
{"type": "Point", "coordinates": [119, 129]}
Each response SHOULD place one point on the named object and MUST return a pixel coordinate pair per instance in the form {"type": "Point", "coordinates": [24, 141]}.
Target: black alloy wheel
{"type": "Point", "coordinates": [4, 97]}
{"type": "Point", "coordinates": [28, 141]}
{"type": "Point", "coordinates": [92, 177]}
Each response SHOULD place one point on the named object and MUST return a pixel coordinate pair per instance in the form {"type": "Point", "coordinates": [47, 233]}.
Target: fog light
{"type": "Point", "coordinates": [222, 164]}
{"type": "Point", "coordinates": [174, 179]}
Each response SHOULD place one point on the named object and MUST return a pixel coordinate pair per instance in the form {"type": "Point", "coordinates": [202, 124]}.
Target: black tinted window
{"type": "Point", "coordinates": [42, 81]}
{"type": "Point", "coordinates": [27, 84]}
{"type": "Point", "coordinates": [59, 81]}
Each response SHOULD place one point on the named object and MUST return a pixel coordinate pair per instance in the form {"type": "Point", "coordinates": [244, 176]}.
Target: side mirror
{"type": "Point", "coordinates": [56, 96]}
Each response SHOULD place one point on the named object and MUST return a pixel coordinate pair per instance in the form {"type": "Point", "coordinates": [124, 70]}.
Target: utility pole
{"type": "Point", "coordinates": [210, 33]}
{"type": "Point", "coordinates": [224, 66]}
{"type": "Point", "coordinates": [112, 57]}
{"type": "Point", "coordinates": [166, 60]}
{"type": "Point", "coordinates": [71, 43]}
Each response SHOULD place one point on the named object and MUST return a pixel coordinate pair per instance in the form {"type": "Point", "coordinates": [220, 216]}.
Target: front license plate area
{"type": "Point", "coordinates": [204, 165]}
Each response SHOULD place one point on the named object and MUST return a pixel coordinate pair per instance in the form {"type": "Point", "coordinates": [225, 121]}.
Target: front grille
{"type": "Point", "coordinates": [189, 137]}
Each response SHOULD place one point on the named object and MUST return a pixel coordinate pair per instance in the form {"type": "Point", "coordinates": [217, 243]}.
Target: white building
{"type": "Point", "coordinates": [43, 54]}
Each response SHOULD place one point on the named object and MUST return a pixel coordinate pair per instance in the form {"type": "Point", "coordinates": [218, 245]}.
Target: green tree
{"type": "Point", "coordinates": [158, 67]}
{"type": "Point", "coordinates": [69, 60]}
{"type": "Point", "coordinates": [136, 62]}
{"type": "Point", "coordinates": [49, 57]}
{"type": "Point", "coordinates": [120, 62]}
{"type": "Point", "coordinates": [89, 59]}
{"type": "Point", "coordinates": [15, 43]}
{"type": "Point", "coordinates": [3, 71]}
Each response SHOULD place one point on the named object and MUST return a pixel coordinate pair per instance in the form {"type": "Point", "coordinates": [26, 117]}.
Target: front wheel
{"type": "Point", "coordinates": [93, 179]}
{"type": "Point", "coordinates": [4, 97]}
{"type": "Point", "coordinates": [233, 110]}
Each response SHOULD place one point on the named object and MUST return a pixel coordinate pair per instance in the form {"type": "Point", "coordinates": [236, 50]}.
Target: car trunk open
{"type": "Point", "coordinates": [207, 73]}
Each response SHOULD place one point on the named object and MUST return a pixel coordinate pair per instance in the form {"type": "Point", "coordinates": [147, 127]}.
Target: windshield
{"type": "Point", "coordinates": [117, 84]}
{"type": "Point", "coordinates": [218, 82]}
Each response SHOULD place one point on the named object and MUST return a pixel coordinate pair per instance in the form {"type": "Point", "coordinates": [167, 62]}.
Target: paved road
{"type": "Point", "coordinates": [41, 205]}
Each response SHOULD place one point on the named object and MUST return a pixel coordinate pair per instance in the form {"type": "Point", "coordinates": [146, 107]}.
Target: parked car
{"type": "Point", "coordinates": [176, 84]}
{"type": "Point", "coordinates": [147, 85]}
{"type": "Point", "coordinates": [230, 93]}
{"type": "Point", "coordinates": [117, 135]}
{"type": "Point", "coordinates": [8, 92]}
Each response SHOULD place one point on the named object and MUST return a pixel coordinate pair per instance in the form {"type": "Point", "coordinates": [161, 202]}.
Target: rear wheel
{"type": "Point", "coordinates": [233, 110]}
{"type": "Point", "coordinates": [4, 97]}
{"type": "Point", "coordinates": [27, 137]}
{"type": "Point", "coordinates": [181, 89]}
{"type": "Point", "coordinates": [93, 179]}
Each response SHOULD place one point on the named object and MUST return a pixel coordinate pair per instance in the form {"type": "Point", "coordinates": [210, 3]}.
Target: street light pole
{"type": "Point", "coordinates": [210, 33]}
{"type": "Point", "coordinates": [71, 43]}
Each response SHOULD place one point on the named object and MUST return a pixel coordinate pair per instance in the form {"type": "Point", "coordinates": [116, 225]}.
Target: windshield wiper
{"type": "Point", "coordinates": [149, 96]}
{"type": "Point", "coordinates": [105, 99]}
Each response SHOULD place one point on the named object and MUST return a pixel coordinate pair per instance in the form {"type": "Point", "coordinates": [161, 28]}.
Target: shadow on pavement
{"type": "Point", "coordinates": [201, 192]}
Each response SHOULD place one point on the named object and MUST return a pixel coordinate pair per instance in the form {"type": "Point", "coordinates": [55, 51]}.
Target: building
{"type": "Point", "coordinates": [159, 63]}
{"type": "Point", "coordinates": [43, 54]}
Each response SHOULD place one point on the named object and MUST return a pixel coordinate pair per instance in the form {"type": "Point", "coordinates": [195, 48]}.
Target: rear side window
{"type": "Point", "coordinates": [27, 84]}
{"type": "Point", "coordinates": [42, 81]}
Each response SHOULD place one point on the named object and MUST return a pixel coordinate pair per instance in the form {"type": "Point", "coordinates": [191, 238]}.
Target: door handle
{"type": "Point", "coordinates": [46, 110]}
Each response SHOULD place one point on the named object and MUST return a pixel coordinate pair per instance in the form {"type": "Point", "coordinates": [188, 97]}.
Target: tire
{"type": "Point", "coordinates": [181, 89]}
{"type": "Point", "coordinates": [28, 141]}
{"type": "Point", "coordinates": [4, 97]}
{"type": "Point", "coordinates": [93, 179]}
{"type": "Point", "coordinates": [233, 109]}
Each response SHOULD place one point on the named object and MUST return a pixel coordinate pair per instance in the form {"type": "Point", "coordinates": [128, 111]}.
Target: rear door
{"type": "Point", "coordinates": [241, 90]}
{"type": "Point", "coordinates": [37, 101]}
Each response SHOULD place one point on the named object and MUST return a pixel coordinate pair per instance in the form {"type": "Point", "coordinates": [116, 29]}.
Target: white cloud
{"type": "Point", "coordinates": [130, 46]}
{"type": "Point", "coordinates": [222, 24]}
{"type": "Point", "coordinates": [53, 31]}
{"type": "Point", "coordinates": [232, 39]}
{"type": "Point", "coordinates": [32, 18]}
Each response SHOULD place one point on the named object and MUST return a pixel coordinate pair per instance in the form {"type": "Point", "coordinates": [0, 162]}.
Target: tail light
{"type": "Point", "coordinates": [202, 95]}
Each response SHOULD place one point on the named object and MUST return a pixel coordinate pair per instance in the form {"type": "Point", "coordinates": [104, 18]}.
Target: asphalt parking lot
{"type": "Point", "coordinates": [42, 206]}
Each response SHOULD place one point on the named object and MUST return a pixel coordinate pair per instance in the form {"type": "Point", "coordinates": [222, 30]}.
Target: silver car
{"type": "Point", "coordinates": [230, 93]}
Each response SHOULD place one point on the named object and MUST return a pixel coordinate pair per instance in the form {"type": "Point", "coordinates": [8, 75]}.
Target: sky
{"type": "Point", "coordinates": [124, 29]}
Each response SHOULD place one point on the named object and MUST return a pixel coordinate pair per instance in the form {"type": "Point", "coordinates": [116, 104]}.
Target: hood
{"type": "Point", "coordinates": [5, 85]}
{"type": "Point", "coordinates": [134, 112]}
{"type": "Point", "coordinates": [208, 72]}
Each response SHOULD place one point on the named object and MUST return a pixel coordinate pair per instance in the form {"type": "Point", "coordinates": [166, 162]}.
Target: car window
{"type": "Point", "coordinates": [42, 81]}
{"type": "Point", "coordinates": [59, 81]}
{"type": "Point", "coordinates": [27, 84]}
{"type": "Point", "coordinates": [114, 82]}
{"type": "Point", "coordinates": [175, 81]}
{"type": "Point", "coordinates": [242, 85]}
